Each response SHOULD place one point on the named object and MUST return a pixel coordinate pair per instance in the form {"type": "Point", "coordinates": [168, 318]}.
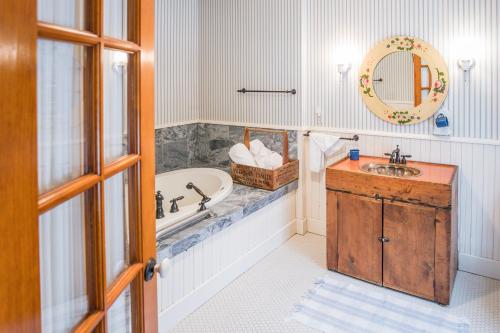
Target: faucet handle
{"type": "Point", "coordinates": [203, 202]}
{"type": "Point", "coordinates": [174, 208]}
{"type": "Point", "coordinates": [177, 199]}
{"type": "Point", "coordinates": [404, 157]}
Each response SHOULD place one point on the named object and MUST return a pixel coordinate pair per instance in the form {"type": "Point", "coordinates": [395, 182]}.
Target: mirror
{"type": "Point", "coordinates": [403, 80]}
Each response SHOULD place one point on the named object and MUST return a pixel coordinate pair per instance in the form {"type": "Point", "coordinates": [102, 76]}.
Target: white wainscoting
{"type": "Point", "coordinates": [199, 273]}
{"type": "Point", "coordinates": [479, 192]}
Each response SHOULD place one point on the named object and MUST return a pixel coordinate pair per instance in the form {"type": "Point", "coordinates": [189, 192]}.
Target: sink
{"type": "Point", "coordinates": [390, 169]}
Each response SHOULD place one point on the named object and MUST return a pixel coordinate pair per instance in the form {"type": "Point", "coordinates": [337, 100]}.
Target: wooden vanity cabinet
{"type": "Point", "coordinates": [359, 226]}
{"type": "Point", "coordinates": [408, 257]}
{"type": "Point", "coordinates": [407, 245]}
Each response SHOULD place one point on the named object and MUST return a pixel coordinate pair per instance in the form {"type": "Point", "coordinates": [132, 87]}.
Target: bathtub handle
{"type": "Point", "coordinates": [203, 202]}
{"type": "Point", "coordinates": [174, 208]}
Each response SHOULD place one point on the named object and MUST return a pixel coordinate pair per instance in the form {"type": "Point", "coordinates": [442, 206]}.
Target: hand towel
{"type": "Point", "coordinates": [265, 158]}
{"type": "Point", "coordinates": [240, 154]}
{"type": "Point", "coordinates": [321, 145]}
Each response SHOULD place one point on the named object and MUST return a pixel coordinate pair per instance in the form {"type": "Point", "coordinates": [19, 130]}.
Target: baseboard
{"type": "Point", "coordinates": [178, 311]}
{"type": "Point", "coordinates": [480, 266]}
{"type": "Point", "coordinates": [316, 226]}
{"type": "Point", "coordinates": [301, 226]}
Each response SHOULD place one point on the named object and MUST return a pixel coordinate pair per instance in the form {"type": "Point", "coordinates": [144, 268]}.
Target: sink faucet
{"type": "Point", "coordinates": [396, 157]}
{"type": "Point", "coordinates": [204, 199]}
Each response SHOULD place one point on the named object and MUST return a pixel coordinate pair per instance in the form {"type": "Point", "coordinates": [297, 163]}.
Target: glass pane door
{"type": "Point", "coordinates": [91, 225]}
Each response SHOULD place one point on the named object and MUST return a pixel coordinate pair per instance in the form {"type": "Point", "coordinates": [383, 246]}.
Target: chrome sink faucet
{"type": "Point", "coordinates": [396, 157]}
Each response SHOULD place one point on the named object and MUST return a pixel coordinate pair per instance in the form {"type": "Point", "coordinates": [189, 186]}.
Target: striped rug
{"type": "Point", "coordinates": [337, 306]}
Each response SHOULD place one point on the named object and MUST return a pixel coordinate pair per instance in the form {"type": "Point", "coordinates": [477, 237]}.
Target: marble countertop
{"type": "Point", "coordinates": [242, 202]}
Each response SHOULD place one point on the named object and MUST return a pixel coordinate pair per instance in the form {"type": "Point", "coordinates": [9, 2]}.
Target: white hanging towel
{"type": "Point", "coordinates": [321, 145]}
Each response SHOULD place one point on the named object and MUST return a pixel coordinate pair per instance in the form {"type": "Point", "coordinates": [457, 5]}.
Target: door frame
{"type": "Point", "coordinates": [20, 204]}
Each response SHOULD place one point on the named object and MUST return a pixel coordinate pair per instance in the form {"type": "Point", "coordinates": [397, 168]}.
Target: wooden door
{"type": "Point", "coordinates": [359, 228]}
{"type": "Point", "coordinates": [77, 166]}
{"type": "Point", "coordinates": [409, 252]}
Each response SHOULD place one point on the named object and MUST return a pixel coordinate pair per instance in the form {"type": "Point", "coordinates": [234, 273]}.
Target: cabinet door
{"type": "Point", "coordinates": [359, 227]}
{"type": "Point", "coordinates": [409, 251]}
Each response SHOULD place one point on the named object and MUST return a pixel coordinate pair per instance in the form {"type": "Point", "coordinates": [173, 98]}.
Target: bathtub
{"type": "Point", "coordinates": [215, 183]}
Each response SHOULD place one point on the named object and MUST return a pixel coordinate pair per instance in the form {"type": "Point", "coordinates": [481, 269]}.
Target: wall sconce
{"type": "Point", "coordinates": [466, 64]}
{"type": "Point", "coordinates": [343, 68]}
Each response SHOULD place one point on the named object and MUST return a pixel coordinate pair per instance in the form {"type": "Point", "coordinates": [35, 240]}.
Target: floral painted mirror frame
{"type": "Point", "coordinates": [438, 79]}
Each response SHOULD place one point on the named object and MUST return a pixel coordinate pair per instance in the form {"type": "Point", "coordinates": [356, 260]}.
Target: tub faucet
{"type": "Point", "coordinates": [204, 198]}
{"type": "Point", "coordinates": [159, 205]}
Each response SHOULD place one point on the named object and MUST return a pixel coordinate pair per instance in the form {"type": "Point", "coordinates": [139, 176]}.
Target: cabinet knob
{"type": "Point", "coordinates": [378, 196]}
{"type": "Point", "coordinates": [384, 239]}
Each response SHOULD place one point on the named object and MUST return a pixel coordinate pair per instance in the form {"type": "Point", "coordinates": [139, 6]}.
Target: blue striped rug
{"type": "Point", "coordinates": [335, 306]}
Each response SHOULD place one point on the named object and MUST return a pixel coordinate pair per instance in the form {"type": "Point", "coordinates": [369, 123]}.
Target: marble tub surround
{"type": "Point", "coordinates": [202, 144]}
{"type": "Point", "coordinates": [175, 147]}
{"type": "Point", "coordinates": [242, 202]}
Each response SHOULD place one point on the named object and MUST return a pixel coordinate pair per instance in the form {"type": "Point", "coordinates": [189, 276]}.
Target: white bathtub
{"type": "Point", "coordinates": [215, 183]}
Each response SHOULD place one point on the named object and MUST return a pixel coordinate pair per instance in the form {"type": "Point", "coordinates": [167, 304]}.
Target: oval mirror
{"type": "Point", "coordinates": [403, 80]}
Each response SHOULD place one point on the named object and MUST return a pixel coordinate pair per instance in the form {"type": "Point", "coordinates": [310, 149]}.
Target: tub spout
{"type": "Point", "coordinates": [204, 199]}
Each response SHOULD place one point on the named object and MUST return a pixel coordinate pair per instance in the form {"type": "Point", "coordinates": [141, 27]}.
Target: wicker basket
{"type": "Point", "coordinates": [264, 178]}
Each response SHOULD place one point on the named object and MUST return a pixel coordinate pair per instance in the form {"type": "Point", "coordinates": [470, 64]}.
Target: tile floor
{"type": "Point", "coordinates": [261, 299]}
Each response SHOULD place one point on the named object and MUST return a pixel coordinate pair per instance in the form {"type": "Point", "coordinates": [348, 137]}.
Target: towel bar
{"type": "Point", "coordinates": [355, 137]}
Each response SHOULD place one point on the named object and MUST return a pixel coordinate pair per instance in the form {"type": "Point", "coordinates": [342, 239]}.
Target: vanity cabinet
{"type": "Point", "coordinates": [392, 231]}
{"type": "Point", "coordinates": [359, 226]}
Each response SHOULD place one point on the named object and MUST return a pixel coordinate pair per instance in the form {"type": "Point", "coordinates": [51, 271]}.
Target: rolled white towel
{"type": "Point", "coordinates": [240, 154]}
{"type": "Point", "coordinates": [265, 158]}
{"type": "Point", "coordinates": [256, 147]}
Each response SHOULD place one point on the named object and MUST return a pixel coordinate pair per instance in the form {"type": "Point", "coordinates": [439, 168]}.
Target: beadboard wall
{"type": "Point", "coordinates": [254, 45]}
{"type": "Point", "coordinates": [284, 44]}
{"type": "Point", "coordinates": [479, 193]}
{"type": "Point", "coordinates": [176, 62]}
{"type": "Point", "coordinates": [338, 31]}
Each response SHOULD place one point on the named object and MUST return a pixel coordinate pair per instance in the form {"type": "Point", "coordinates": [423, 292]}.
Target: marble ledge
{"type": "Point", "coordinates": [242, 202]}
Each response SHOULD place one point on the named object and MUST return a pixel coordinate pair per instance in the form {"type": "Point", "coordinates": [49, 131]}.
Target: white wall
{"type": "Point", "coordinates": [296, 44]}
{"type": "Point", "coordinates": [333, 29]}
{"type": "Point", "coordinates": [479, 193]}
{"type": "Point", "coordinates": [253, 45]}
{"type": "Point", "coordinates": [176, 61]}
{"type": "Point", "coordinates": [348, 29]}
